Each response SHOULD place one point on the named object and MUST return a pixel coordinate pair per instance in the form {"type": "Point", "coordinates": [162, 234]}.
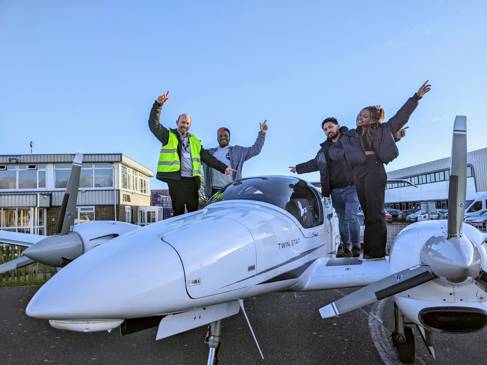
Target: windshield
{"type": "Point", "coordinates": [288, 193]}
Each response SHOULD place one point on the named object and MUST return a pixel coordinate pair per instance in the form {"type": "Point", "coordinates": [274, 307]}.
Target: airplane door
{"type": "Point", "coordinates": [214, 263]}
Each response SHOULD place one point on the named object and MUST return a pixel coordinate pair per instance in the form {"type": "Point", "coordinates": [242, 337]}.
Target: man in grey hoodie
{"type": "Point", "coordinates": [233, 156]}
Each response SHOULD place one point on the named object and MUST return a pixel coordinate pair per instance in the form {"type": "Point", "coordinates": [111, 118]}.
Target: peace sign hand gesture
{"type": "Point", "coordinates": [263, 127]}
{"type": "Point", "coordinates": [163, 98]}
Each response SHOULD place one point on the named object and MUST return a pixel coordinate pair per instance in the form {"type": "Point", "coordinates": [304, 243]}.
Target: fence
{"type": "Point", "coordinates": [28, 275]}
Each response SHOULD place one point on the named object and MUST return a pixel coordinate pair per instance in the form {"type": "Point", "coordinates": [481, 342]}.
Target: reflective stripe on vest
{"type": "Point", "coordinates": [169, 158]}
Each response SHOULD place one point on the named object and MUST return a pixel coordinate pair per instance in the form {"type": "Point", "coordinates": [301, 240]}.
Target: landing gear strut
{"type": "Point", "coordinates": [213, 340]}
{"type": "Point", "coordinates": [403, 338]}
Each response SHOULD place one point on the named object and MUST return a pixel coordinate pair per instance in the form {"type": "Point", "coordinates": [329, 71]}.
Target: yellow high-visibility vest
{"type": "Point", "coordinates": [169, 158]}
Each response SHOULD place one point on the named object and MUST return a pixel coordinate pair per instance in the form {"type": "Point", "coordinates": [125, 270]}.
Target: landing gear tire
{"type": "Point", "coordinates": [405, 347]}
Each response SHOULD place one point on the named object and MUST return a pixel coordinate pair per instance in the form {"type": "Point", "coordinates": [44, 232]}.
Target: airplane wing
{"type": "Point", "coordinates": [15, 264]}
{"type": "Point", "coordinates": [20, 239]}
{"type": "Point", "coordinates": [343, 272]}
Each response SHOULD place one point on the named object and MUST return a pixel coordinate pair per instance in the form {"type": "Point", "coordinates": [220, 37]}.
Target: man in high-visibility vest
{"type": "Point", "coordinates": [180, 159]}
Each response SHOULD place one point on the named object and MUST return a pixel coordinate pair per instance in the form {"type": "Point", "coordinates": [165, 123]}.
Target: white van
{"type": "Point", "coordinates": [476, 205]}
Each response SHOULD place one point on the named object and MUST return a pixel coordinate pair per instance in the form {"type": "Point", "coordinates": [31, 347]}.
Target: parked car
{"type": "Point", "coordinates": [433, 215]}
{"type": "Point", "coordinates": [480, 217]}
{"type": "Point", "coordinates": [395, 213]}
{"type": "Point", "coordinates": [387, 216]}
{"type": "Point", "coordinates": [443, 213]}
{"type": "Point", "coordinates": [417, 216]}
{"type": "Point", "coordinates": [404, 214]}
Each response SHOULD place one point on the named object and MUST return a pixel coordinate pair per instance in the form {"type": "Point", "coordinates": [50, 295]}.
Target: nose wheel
{"type": "Point", "coordinates": [403, 339]}
{"type": "Point", "coordinates": [213, 341]}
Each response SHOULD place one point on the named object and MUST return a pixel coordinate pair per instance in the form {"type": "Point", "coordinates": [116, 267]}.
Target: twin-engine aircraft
{"type": "Point", "coordinates": [261, 235]}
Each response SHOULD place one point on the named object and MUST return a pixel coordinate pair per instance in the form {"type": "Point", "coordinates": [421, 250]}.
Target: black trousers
{"type": "Point", "coordinates": [184, 194]}
{"type": "Point", "coordinates": [370, 179]}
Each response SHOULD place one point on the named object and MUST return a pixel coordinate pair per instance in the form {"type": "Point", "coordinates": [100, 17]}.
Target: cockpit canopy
{"type": "Point", "coordinates": [286, 192]}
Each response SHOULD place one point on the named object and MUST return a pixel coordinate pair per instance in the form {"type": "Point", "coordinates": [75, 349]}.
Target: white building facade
{"type": "Point", "coordinates": [431, 182]}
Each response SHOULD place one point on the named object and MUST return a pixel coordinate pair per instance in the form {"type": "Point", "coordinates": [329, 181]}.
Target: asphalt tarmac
{"type": "Point", "coordinates": [287, 325]}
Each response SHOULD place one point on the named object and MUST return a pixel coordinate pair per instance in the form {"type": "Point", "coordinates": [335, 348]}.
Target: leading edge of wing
{"type": "Point", "coordinates": [20, 239]}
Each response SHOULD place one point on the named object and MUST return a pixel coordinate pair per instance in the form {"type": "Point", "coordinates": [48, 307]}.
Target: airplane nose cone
{"type": "Point", "coordinates": [454, 259]}
{"type": "Point", "coordinates": [133, 276]}
{"type": "Point", "coordinates": [55, 250]}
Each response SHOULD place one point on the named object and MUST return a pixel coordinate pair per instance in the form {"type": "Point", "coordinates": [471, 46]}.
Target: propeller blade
{"type": "Point", "coordinates": [390, 285]}
{"type": "Point", "coordinates": [68, 207]}
{"type": "Point", "coordinates": [15, 264]}
{"type": "Point", "coordinates": [458, 177]}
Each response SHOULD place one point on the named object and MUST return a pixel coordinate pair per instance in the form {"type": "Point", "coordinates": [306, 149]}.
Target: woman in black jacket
{"type": "Point", "coordinates": [378, 142]}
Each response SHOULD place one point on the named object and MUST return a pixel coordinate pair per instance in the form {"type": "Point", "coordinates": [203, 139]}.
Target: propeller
{"type": "Point", "coordinates": [452, 258]}
{"type": "Point", "coordinates": [58, 249]}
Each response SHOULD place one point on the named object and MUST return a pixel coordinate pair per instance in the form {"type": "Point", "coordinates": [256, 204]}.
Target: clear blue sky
{"type": "Point", "coordinates": [82, 76]}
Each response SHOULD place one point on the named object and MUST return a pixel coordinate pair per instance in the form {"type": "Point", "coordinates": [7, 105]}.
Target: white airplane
{"type": "Point", "coordinates": [71, 240]}
{"type": "Point", "coordinates": [260, 235]}
{"type": "Point", "coordinates": [439, 279]}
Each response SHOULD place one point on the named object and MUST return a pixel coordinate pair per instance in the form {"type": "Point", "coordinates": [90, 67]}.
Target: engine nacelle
{"type": "Point", "coordinates": [440, 304]}
{"type": "Point", "coordinates": [95, 233]}
{"type": "Point", "coordinates": [442, 316]}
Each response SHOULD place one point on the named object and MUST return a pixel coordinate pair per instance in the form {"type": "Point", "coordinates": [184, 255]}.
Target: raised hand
{"type": "Point", "coordinates": [293, 169]}
{"type": "Point", "coordinates": [423, 89]}
{"type": "Point", "coordinates": [263, 127]}
{"type": "Point", "coordinates": [163, 98]}
{"type": "Point", "coordinates": [400, 134]}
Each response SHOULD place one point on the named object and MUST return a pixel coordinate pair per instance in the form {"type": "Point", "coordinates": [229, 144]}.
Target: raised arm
{"type": "Point", "coordinates": [255, 149]}
{"type": "Point", "coordinates": [403, 114]}
{"type": "Point", "coordinates": [309, 166]}
{"type": "Point", "coordinates": [161, 132]}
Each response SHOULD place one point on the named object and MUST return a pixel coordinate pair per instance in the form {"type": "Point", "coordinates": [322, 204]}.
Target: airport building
{"type": "Point", "coordinates": [112, 187]}
{"type": "Point", "coordinates": [430, 183]}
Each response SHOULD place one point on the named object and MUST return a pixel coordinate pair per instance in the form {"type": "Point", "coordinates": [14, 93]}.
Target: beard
{"type": "Point", "coordinates": [223, 142]}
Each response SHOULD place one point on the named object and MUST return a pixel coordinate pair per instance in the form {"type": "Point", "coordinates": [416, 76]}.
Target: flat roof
{"type": "Point", "coordinates": [14, 159]}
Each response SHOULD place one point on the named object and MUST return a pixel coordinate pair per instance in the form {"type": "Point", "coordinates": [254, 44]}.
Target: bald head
{"type": "Point", "coordinates": [183, 123]}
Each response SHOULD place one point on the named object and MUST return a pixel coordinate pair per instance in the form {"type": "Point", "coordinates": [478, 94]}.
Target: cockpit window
{"type": "Point", "coordinates": [291, 194]}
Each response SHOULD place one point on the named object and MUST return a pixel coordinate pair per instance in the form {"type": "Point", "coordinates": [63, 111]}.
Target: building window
{"type": "Point", "coordinates": [85, 214]}
{"type": "Point", "coordinates": [27, 178]}
{"type": "Point", "coordinates": [86, 177]}
{"type": "Point", "coordinates": [125, 178]}
{"type": "Point", "coordinates": [24, 220]}
{"type": "Point", "coordinates": [103, 175]}
{"type": "Point", "coordinates": [8, 178]}
{"type": "Point", "coordinates": [62, 173]}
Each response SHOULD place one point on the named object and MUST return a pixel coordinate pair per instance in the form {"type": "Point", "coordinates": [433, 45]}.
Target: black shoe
{"type": "Point", "coordinates": [340, 251]}
{"type": "Point", "coordinates": [355, 251]}
{"type": "Point", "coordinates": [347, 253]}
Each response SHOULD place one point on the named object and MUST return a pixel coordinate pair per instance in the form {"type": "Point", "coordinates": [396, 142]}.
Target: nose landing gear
{"type": "Point", "coordinates": [403, 338]}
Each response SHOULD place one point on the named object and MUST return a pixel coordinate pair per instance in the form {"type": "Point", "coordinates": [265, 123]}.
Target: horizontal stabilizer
{"type": "Point", "coordinates": [177, 323]}
{"type": "Point", "coordinates": [15, 264]}
{"type": "Point", "coordinates": [20, 239]}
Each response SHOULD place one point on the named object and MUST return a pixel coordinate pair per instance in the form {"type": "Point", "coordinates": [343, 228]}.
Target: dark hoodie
{"type": "Point", "coordinates": [335, 161]}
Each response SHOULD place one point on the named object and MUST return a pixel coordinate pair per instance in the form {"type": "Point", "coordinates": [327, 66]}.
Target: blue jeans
{"type": "Point", "coordinates": [345, 201]}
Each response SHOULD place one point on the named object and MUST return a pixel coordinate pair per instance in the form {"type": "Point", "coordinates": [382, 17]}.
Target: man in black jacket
{"type": "Point", "coordinates": [180, 159]}
{"type": "Point", "coordinates": [334, 161]}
